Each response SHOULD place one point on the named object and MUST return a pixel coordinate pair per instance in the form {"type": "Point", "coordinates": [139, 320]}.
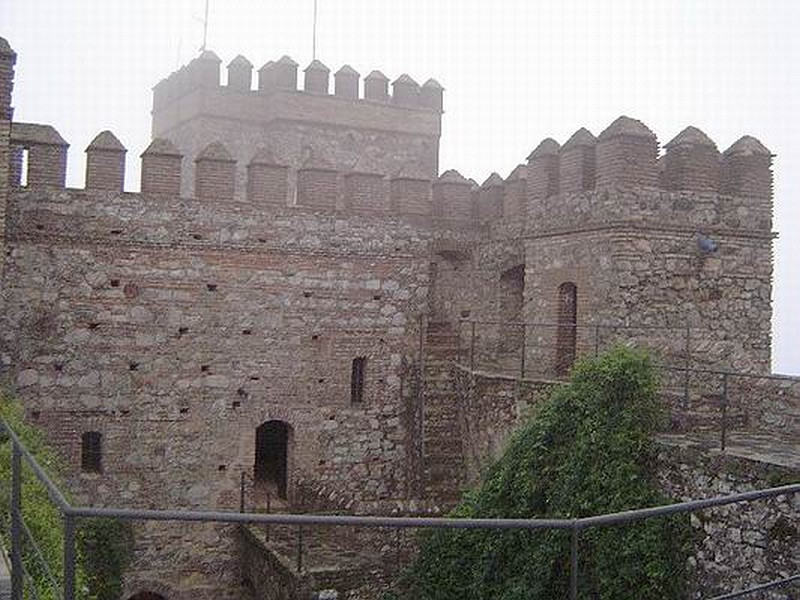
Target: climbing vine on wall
{"type": "Point", "coordinates": [587, 451]}
{"type": "Point", "coordinates": [104, 546]}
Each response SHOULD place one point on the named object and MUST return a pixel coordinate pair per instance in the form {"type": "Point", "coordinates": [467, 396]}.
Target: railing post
{"type": "Point", "coordinates": [241, 493]}
{"type": "Point", "coordinates": [397, 545]}
{"type": "Point", "coordinates": [421, 344]}
{"type": "Point", "coordinates": [299, 549]}
{"type": "Point", "coordinates": [573, 570]}
{"type": "Point", "coordinates": [724, 407]}
{"type": "Point", "coordinates": [522, 354]}
{"type": "Point", "coordinates": [596, 341]}
{"type": "Point", "coordinates": [688, 364]}
{"type": "Point", "coordinates": [472, 348]}
{"type": "Point", "coordinates": [458, 343]}
{"type": "Point", "coordinates": [16, 523]}
{"type": "Point", "coordinates": [269, 510]}
{"type": "Point", "coordinates": [69, 557]}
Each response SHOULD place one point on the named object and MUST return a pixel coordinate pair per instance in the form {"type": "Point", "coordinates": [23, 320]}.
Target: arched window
{"type": "Point", "coordinates": [567, 324]}
{"type": "Point", "coordinates": [357, 374]}
{"type": "Point", "coordinates": [92, 452]}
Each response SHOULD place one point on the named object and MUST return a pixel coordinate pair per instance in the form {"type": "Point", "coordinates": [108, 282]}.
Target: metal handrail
{"type": "Point", "coordinates": [759, 588]}
{"type": "Point", "coordinates": [575, 525]}
{"type": "Point", "coordinates": [577, 325]}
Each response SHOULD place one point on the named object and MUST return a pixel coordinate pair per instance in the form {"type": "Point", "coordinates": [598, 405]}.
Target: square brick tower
{"type": "Point", "coordinates": [379, 132]}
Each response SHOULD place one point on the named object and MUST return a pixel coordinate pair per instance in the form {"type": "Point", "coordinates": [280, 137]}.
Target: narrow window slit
{"type": "Point", "coordinates": [357, 375]}
{"type": "Point", "coordinates": [91, 452]}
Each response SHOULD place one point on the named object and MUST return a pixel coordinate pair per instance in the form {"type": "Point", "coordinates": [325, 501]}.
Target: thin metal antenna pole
{"type": "Point", "coordinates": [314, 35]}
{"type": "Point", "coordinates": [205, 29]}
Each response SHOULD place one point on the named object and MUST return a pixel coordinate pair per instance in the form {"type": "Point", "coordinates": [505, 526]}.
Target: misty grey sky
{"type": "Point", "coordinates": [515, 71]}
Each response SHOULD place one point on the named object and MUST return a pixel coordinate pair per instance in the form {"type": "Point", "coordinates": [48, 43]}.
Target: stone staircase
{"type": "Point", "coordinates": [443, 461]}
{"type": "Point", "coordinates": [355, 563]}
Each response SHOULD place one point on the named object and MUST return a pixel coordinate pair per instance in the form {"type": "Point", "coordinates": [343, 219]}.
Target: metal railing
{"type": "Point", "coordinates": [560, 338]}
{"type": "Point", "coordinates": [672, 347]}
{"type": "Point", "coordinates": [70, 514]}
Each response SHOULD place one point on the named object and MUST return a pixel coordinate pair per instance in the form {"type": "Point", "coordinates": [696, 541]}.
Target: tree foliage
{"type": "Point", "coordinates": [104, 546]}
{"type": "Point", "coordinates": [587, 451]}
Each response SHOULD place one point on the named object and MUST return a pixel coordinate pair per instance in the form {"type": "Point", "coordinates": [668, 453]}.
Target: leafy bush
{"type": "Point", "coordinates": [588, 451]}
{"type": "Point", "coordinates": [104, 546]}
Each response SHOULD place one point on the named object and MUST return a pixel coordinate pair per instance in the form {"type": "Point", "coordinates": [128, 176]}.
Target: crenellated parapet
{"type": "Point", "coordinates": [491, 198]}
{"type": "Point", "coordinates": [543, 171]}
{"type": "Point", "coordinates": [47, 155]}
{"type": "Point", "coordinates": [105, 163]}
{"type": "Point", "coordinates": [747, 169]}
{"type": "Point", "coordinates": [452, 197]}
{"type": "Point", "coordinates": [380, 129]}
{"type": "Point", "coordinates": [161, 169]}
{"type": "Point", "coordinates": [267, 179]}
{"type": "Point", "coordinates": [626, 155]}
{"type": "Point", "coordinates": [546, 192]}
{"type": "Point", "coordinates": [8, 59]}
{"type": "Point", "coordinates": [240, 74]}
{"type": "Point", "coordinates": [282, 75]}
{"type": "Point", "coordinates": [318, 185]}
{"type": "Point", "coordinates": [578, 163]}
{"type": "Point", "coordinates": [215, 173]}
{"type": "Point", "coordinates": [691, 162]}
{"type": "Point", "coordinates": [515, 194]}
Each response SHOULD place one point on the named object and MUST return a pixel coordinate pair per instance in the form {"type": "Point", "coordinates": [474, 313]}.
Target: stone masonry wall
{"type": "Point", "coordinates": [222, 323]}
{"type": "Point", "coordinates": [176, 327]}
{"type": "Point", "coordinates": [742, 545]}
{"type": "Point", "coordinates": [733, 547]}
{"type": "Point", "coordinates": [636, 258]}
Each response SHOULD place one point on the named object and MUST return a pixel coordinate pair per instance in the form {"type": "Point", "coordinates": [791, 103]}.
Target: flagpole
{"type": "Point", "coordinates": [314, 35]}
{"type": "Point", "coordinates": [205, 29]}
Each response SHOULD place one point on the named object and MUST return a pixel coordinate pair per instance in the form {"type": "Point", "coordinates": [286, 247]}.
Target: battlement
{"type": "Point", "coordinates": [623, 157]}
{"type": "Point", "coordinates": [281, 75]}
{"type": "Point", "coordinates": [317, 185]}
{"type": "Point", "coordinates": [386, 129]}
{"type": "Point", "coordinates": [626, 155]}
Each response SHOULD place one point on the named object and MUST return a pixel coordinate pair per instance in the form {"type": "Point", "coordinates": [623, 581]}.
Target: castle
{"type": "Point", "coordinates": [268, 303]}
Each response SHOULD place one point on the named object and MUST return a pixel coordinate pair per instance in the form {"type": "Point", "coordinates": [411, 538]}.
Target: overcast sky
{"type": "Point", "coordinates": [515, 72]}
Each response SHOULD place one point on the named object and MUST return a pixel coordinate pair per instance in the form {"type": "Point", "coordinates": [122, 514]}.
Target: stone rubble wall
{"type": "Point", "coordinates": [110, 312]}
{"type": "Point", "coordinates": [742, 545]}
{"type": "Point", "coordinates": [734, 547]}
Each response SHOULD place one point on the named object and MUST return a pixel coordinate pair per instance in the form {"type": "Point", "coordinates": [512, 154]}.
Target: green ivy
{"type": "Point", "coordinates": [104, 546]}
{"type": "Point", "coordinates": [587, 451]}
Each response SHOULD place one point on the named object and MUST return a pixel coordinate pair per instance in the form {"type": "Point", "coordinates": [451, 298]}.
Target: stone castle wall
{"type": "Point", "coordinates": [214, 328]}
{"type": "Point", "coordinates": [280, 234]}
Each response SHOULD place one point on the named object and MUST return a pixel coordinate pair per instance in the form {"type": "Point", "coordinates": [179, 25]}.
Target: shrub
{"type": "Point", "coordinates": [588, 451]}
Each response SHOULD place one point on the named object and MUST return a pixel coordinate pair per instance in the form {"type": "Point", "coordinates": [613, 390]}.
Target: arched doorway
{"type": "Point", "coordinates": [271, 467]}
{"type": "Point", "coordinates": [566, 331]}
{"type": "Point", "coordinates": [147, 596]}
